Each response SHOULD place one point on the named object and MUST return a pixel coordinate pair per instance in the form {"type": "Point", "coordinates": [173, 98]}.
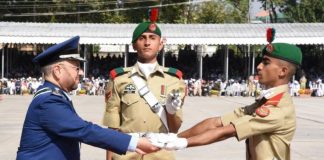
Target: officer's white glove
{"type": "Point", "coordinates": [173, 102]}
{"type": "Point", "coordinates": [160, 139]}
{"type": "Point", "coordinates": [168, 141]}
{"type": "Point", "coordinates": [176, 144]}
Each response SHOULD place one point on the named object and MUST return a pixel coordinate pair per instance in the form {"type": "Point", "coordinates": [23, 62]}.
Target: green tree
{"type": "Point", "coordinates": [210, 12]}
{"type": "Point", "coordinates": [296, 10]}
{"type": "Point", "coordinates": [176, 13]}
{"type": "Point", "coordinates": [229, 11]}
{"type": "Point", "coordinates": [271, 6]}
{"type": "Point", "coordinates": [90, 11]}
{"type": "Point", "coordinates": [241, 10]}
{"type": "Point", "coordinates": [304, 10]}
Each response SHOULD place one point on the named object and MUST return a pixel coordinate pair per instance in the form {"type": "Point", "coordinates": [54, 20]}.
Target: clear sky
{"type": "Point", "coordinates": [255, 7]}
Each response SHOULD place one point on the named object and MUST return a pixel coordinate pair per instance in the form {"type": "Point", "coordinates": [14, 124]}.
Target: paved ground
{"type": "Point", "coordinates": [308, 142]}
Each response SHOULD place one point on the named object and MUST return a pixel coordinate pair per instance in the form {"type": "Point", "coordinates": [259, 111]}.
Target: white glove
{"type": "Point", "coordinates": [160, 139]}
{"type": "Point", "coordinates": [168, 141]}
{"type": "Point", "coordinates": [177, 144]}
{"type": "Point", "coordinates": [173, 103]}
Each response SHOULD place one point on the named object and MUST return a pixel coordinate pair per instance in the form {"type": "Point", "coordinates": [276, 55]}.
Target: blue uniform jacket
{"type": "Point", "coordinates": [53, 130]}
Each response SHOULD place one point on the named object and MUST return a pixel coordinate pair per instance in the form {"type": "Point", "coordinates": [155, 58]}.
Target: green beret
{"type": "Point", "coordinates": [145, 27]}
{"type": "Point", "coordinates": [284, 51]}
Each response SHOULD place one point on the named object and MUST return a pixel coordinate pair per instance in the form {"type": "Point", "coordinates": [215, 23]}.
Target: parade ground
{"type": "Point", "coordinates": [308, 142]}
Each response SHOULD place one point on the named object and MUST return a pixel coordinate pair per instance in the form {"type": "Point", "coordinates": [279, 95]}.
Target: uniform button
{"type": "Point", "coordinates": [144, 121]}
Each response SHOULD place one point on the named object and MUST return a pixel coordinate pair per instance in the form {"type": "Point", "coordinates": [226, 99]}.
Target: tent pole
{"type": "Point", "coordinates": [163, 57]}
{"type": "Point", "coordinates": [249, 59]}
{"type": "Point", "coordinates": [2, 60]}
{"type": "Point", "coordinates": [85, 63]}
{"type": "Point", "coordinates": [253, 61]}
{"type": "Point", "coordinates": [126, 55]}
{"type": "Point", "coordinates": [226, 63]}
{"type": "Point", "coordinates": [200, 54]}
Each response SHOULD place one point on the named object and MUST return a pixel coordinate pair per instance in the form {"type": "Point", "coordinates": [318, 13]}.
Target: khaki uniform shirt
{"type": "Point", "coordinates": [127, 111]}
{"type": "Point", "coordinates": [269, 135]}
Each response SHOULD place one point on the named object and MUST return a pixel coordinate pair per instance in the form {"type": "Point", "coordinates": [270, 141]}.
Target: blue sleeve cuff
{"type": "Point", "coordinates": [133, 143]}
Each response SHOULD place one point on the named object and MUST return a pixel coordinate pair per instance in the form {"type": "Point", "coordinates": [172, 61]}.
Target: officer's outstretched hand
{"type": "Point", "coordinates": [144, 146]}
{"type": "Point", "coordinates": [173, 102]}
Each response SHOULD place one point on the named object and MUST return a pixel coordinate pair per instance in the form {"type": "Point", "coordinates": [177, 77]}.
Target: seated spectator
{"type": "Point", "coordinates": [295, 87]}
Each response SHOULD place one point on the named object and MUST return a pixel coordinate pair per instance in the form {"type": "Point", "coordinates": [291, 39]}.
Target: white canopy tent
{"type": "Point", "coordinates": [201, 35]}
{"type": "Point", "coordinates": [193, 34]}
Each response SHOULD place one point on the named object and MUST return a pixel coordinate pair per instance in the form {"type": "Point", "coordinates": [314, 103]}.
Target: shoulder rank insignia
{"type": "Point", "coordinates": [116, 72]}
{"type": "Point", "coordinates": [175, 72]}
{"type": "Point", "coordinates": [42, 91]}
{"type": "Point", "coordinates": [57, 92]}
{"type": "Point", "coordinates": [108, 94]}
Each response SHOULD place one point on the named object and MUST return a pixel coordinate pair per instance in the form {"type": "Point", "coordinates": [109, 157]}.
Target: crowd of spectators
{"type": "Point", "coordinates": [28, 86]}
{"type": "Point", "coordinates": [213, 82]}
{"type": "Point", "coordinates": [250, 87]}
{"type": "Point", "coordinates": [195, 87]}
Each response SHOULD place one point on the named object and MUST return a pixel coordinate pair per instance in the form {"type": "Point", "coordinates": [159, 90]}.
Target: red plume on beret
{"type": "Point", "coordinates": [270, 34]}
{"type": "Point", "coordinates": [270, 37]}
{"type": "Point", "coordinates": [153, 14]}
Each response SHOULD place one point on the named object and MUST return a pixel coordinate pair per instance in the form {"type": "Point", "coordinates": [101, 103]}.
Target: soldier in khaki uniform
{"type": "Point", "coordinates": [268, 125]}
{"type": "Point", "coordinates": [130, 112]}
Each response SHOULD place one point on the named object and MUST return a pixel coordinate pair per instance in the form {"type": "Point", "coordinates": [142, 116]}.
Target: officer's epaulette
{"type": "Point", "coordinates": [117, 72]}
{"type": "Point", "coordinates": [47, 90]}
{"type": "Point", "coordinates": [42, 91]}
{"type": "Point", "coordinates": [57, 92]}
{"type": "Point", "coordinates": [173, 71]}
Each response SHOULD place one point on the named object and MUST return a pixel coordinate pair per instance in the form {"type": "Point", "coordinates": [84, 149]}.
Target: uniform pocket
{"type": "Point", "coordinates": [130, 98]}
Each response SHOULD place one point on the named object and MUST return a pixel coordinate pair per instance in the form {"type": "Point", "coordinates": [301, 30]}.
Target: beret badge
{"type": "Point", "coordinates": [152, 27]}
{"type": "Point", "coordinates": [269, 48]}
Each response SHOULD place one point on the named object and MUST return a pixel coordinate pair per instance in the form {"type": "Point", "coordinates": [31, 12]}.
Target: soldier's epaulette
{"type": "Point", "coordinates": [117, 72]}
{"type": "Point", "coordinates": [174, 72]}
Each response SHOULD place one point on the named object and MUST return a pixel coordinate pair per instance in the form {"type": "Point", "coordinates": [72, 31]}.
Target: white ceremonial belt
{"type": "Point", "coordinates": [143, 91]}
{"type": "Point", "coordinates": [149, 97]}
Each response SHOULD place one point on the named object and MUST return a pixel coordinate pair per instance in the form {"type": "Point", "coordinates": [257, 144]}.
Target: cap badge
{"type": "Point", "coordinates": [269, 48]}
{"type": "Point", "coordinates": [152, 27]}
{"type": "Point", "coordinates": [262, 111]}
